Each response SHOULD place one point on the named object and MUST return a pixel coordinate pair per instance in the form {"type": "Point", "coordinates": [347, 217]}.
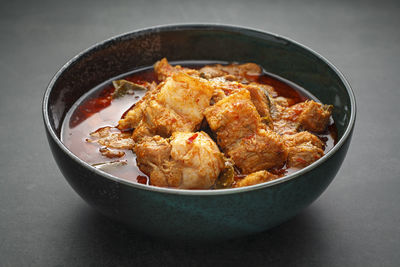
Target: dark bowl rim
{"type": "Point", "coordinates": [203, 26]}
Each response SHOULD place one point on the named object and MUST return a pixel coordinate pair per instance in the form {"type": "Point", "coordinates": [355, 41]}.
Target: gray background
{"type": "Point", "coordinates": [356, 222]}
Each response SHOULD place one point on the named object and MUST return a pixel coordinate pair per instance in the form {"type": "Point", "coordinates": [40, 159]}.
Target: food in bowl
{"type": "Point", "coordinates": [179, 214]}
{"type": "Point", "coordinates": [199, 126]}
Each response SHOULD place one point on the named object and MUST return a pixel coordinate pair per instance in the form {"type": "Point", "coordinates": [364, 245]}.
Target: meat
{"type": "Point", "coordinates": [134, 116]}
{"type": "Point", "coordinates": [242, 135]}
{"type": "Point", "coordinates": [186, 160]}
{"type": "Point", "coordinates": [268, 89]}
{"type": "Point", "coordinates": [210, 72]}
{"type": "Point", "coordinates": [257, 130]}
{"type": "Point", "coordinates": [242, 73]}
{"type": "Point", "coordinates": [308, 115]}
{"type": "Point", "coordinates": [315, 116]}
{"type": "Point", "coordinates": [256, 178]}
{"type": "Point", "coordinates": [303, 149]}
{"type": "Point", "coordinates": [262, 150]}
{"type": "Point", "coordinates": [164, 70]}
{"type": "Point", "coordinates": [303, 155]}
{"type": "Point", "coordinates": [233, 118]}
{"type": "Point", "coordinates": [261, 101]}
{"type": "Point", "coordinates": [226, 82]}
{"type": "Point", "coordinates": [160, 120]}
{"type": "Point", "coordinates": [177, 105]}
{"type": "Point", "coordinates": [303, 137]}
{"type": "Point", "coordinates": [259, 96]}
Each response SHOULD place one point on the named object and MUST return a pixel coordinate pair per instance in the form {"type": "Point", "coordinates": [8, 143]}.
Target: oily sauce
{"type": "Point", "coordinates": [98, 109]}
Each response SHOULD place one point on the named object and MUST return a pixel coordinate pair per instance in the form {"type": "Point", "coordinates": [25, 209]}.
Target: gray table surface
{"type": "Point", "coordinates": [356, 222]}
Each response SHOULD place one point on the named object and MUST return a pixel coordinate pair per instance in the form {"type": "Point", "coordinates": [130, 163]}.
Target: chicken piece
{"type": "Point", "coordinates": [280, 100]}
{"type": "Point", "coordinates": [280, 124]}
{"type": "Point", "coordinates": [303, 155]}
{"type": "Point", "coordinates": [243, 70]}
{"type": "Point", "coordinates": [210, 72]}
{"type": "Point", "coordinates": [262, 103]}
{"type": "Point", "coordinates": [186, 95]}
{"type": "Point", "coordinates": [186, 160]}
{"type": "Point", "coordinates": [160, 120]}
{"type": "Point", "coordinates": [112, 138]}
{"type": "Point", "coordinates": [285, 119]}
{"type": "Point", "coordinates": [164, 70]}
{"type": "Point", "coordinates": [233, 118]}
{"type": "Point", "coordinates": [242, 73]}
{"type": "Point", "coordinates": [278, 107]}
{"type": "Point", "coordinates": [228, 87]}
{"type": "Point", "coordinates": [134, 116]}
{"type": "Point", "coordinates": [256, 178]}
{"type": "Point", "coordinates": [315, 116]}
{"type": "Point", "coordinates": [153, 159]}
{"type": "Point", "coordinates": [303, 137]}
{"type": "Point", "coordinates": [178, 105]}
{"type": "Point", "coordinates": [309, 115]}
{"type": "Point", "coordinates": [218, 95]}
{"type": "Point", "coordinates": [260, 151]}
{"type": "Point", "coordinates": [268, 89]}
{"type": "Point", "coordinates": [303, 149]}
{"type": "Point", "coordinates": [242, 135]}
{"type": "Point", "coordinates": [259, 96]}
{"type": "Point", "coordinates": [283, 127]}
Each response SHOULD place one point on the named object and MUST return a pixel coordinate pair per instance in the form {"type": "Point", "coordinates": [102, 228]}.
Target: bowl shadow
{"type": "Point", "coordinates": [110, 242]}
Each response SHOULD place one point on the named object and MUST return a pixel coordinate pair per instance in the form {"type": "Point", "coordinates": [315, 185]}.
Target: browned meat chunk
{"type": "Point", "coordinates": [243, 70]}
{"type": "Point", "coordinates": [134, 116]}
{"type": "Point", "coordinates": [160, 120]}
{"type": "Point", "coordinates": [153, 159]}
{"type": "Point", "coordinates": [218, 95]}
{"type": "Point", "coordinates": [210, 72]}
{"type": "Point", "coordinates": [164, 70]}
{"type": "Point", "coordinates": [262, 103]}
{"type": "Point", "coordinates": [303, 155]}
{"type": "Point", "coordinates": [285, 118]}
{"type": "Point", "coordinates": [280, 100]}
{"type": "Point", "coordinates": [268, 89]}
{"type": "Point", "coordinates": [303, 137]}
{"type": "Point", "coordinates": [186, 160]}
{"type": "Point", "coordinates": [233, 118]}
{"type": "Point", "coordinates": [315, 116]}
{"type": "Point", "coordinates": [256, 178]}
{"type": "Point", "coordinates": [303, 149]}
{"type": "Point", "coordinates": [259, 96]}
{"type": "Point", "coordinates": [260, 151]}
{"type": "Point", "coordinates": [242, 135]}
{"type": "Point", "coordinates": [309, 115]}
{"type": "Point", "coordinates": [242, 73]}
{"type": "Point", "coordinates": [177, 105]}
{"type": "Point", "coordinates": [228, 87]}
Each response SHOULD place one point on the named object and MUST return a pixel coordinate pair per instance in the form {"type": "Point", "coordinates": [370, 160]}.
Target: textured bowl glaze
{"type": "Point", "coordinates": [193, 215]}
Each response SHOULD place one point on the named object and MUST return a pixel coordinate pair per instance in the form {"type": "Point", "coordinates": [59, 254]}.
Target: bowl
{"type": "Point", "coordinates": [199, 215]}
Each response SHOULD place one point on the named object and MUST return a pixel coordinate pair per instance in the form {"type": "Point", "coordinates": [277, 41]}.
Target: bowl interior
{"type": "Point", "coordinates": [198, 42]}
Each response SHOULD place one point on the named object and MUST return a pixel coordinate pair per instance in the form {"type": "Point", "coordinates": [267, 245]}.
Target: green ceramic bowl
{"type": "Point", "coordinates": [192, 215]}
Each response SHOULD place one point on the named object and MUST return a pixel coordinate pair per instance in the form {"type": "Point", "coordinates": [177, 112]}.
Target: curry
{"type": "Point", "coordinates": [199, 126]}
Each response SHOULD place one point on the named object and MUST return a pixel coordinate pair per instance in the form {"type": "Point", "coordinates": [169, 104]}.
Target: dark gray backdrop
{"type": "Point", "coordinates": [356, 222]}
